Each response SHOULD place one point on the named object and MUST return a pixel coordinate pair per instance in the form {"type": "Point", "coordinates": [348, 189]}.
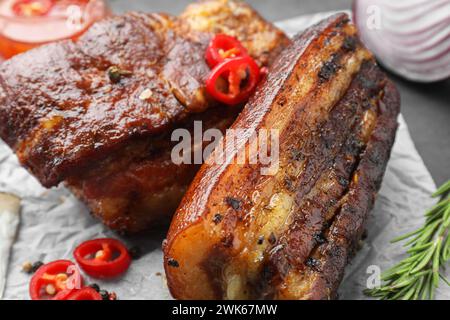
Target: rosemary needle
{"type": "Point", "coordinates": [417, 276]}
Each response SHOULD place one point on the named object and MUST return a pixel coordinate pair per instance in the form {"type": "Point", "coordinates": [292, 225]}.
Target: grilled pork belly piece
{"type": "Point", "coordinates": [239, 234]}
{"type": "Point", "coordinates": [104, 107]}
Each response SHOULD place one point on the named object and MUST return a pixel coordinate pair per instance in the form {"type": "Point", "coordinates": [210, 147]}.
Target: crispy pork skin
{"type": "Point", "coordinates": [239, 234]}
{"type": "Point", "coordinates": [98, 113]}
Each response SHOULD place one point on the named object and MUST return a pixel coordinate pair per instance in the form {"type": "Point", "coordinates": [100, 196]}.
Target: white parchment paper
{"type": "Point", "coordinates": [53, 222]}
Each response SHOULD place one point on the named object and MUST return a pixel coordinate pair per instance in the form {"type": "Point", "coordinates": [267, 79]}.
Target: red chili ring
{"type": "Point", "coordinates": [232, 69]}
{"type": "Point", "coordinates": [223, 47]}
{"type": "Point", "coordinates": [114, 260]}
{"type": "Point", "coordinates": [86, 293]}
{"type": "Point", "coordinates": [46, 275]}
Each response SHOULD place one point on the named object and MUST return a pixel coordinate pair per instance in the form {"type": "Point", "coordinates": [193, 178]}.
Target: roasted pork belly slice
{"type": "Point", "coordinates": [81, 111]}
{"type": "Point", "coordinates": [241, 234]}
{"type": "Point", "coordinates": [66, 105]}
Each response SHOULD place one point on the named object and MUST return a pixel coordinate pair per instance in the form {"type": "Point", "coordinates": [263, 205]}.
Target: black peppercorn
{"type": "Point", "coordinates": [135, 252]}
{"type": "Point", "coordinates": [36, 266]}
{"type": "Point", "coordinates": [233, 202]}
{"type": "Point", "coordinates": [104, 294]}
{"type": "Point", "coordinates": [95, 286]}
{"type": "Point", "coordinates": [217, 218]}
{"type": "Point", "coordinates": [115, 74]}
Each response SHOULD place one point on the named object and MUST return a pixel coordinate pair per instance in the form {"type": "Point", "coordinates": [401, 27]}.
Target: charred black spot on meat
{"type": "Point", "coordinates": [217, 218]}
{"type": "Point", "coordinates": [343, 181]}
{"type": "Point", "coordinates": [320, 238]}
{"type": "Point", "coordinates": [375, 158]}
{"type": "Point", "coordinates": [289, 183]}
{"type": "Point", "coordinates": [329, 68]}
{"type": "Point", "coordinates": [366, 104]}
{"type": "Point", "coordinates": [260, 240]}
{"type": "Point", "coordinates": [297, 154]}
{"type": "Point", "coordinates": [227, 241]}
{"type": "Point", "coordinates": [350, 44]}
{"type": "Point", "coordinates": [353, 106]}
{"type": "Point", "coordinates": [327, 138]}
{"type": "Point", "coordinates": [313, 263]}
{"type": "Point", "coordinates": [372, 86]}
{"type": "Point", "coordinates": [236, 204]}
{"type": "Point", "coordinates": [282, 101]}
{"type": "Point", "coordinates": [355, 146]}
{"type": "Point", "coordinates": [342, 23]}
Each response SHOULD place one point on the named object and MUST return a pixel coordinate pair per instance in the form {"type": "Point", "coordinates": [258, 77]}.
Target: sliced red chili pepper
{"type": "Point", "coordinates": [223, 47]}
{"type": "Point", "coordinates": [103, 258]}
{"type": "Point", "coordinates": [31, 8]}
{"type": "Point", "coordinates": [233, 80]}
{"type": "Point", "coordinates": [86, 293]}
{"type": "Point", "coordinates": [55, 281]}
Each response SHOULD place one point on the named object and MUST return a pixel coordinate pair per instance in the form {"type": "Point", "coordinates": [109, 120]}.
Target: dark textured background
{"type": "Point", "coordinates": [426, 108]}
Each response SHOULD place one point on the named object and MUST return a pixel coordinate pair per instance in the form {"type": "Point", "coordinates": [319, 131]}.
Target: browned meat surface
{"type": "Point", "coordinates": [239, 234]}
{"type": "Point", "coordinates": [105, 106]}
{"type": "Point", "coordinates": [236, 18]}
{"type": "Point", "coordinates": [140, 186]}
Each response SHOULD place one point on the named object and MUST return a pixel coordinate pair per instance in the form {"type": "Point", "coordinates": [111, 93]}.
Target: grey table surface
{"type": "Point", "coordinates": [426, 107]}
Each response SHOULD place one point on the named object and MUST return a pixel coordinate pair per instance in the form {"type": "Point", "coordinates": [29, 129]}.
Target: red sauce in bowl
{"type": "Point", "coordinates": [25, 24]}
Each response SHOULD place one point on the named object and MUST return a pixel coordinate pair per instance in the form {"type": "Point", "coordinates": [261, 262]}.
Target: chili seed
{"type": "Point", "coordinates": [50, 289]}
{"type": "Point", "coordinates": [99, 254]}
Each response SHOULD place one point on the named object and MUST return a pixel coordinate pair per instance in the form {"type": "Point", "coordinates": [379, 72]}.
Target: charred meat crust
{"type": "Point", "coordinates": [348, 225]}
{"type": "Point", "coordinates": [295, 231]}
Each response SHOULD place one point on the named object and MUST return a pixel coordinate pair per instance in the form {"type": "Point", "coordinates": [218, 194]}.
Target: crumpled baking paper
{"type": "Point", "coordinates": [54, 222]}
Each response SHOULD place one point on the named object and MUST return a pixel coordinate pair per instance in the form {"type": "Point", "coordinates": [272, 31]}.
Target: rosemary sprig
{"type": "Point", "coordinates": [417, 276]}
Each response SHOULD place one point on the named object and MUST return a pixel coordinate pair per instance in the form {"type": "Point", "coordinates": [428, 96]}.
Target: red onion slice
{"type": "Point", "coordinates": [409, 37]}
